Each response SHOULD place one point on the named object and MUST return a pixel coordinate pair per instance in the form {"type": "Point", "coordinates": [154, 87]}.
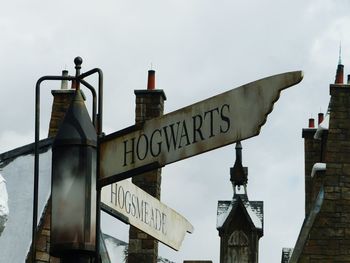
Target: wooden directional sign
{"type": "Point", "coordinates": [215, 122]}
{"type": "Point", "coordinates": [134, 206]}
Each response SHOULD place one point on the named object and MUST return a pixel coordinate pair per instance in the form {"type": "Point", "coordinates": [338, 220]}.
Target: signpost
{"type": "Point", "coordinates": [134, 206]}
{"type": "Point", "coordinates": [229, 117]}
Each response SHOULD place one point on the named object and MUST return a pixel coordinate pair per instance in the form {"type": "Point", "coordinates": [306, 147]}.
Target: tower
{"type": "Point", "coordinates": [239, 221]}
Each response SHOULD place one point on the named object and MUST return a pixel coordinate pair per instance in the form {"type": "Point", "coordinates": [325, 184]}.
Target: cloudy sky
{"type": "Point", "coordinates": [198, 48]}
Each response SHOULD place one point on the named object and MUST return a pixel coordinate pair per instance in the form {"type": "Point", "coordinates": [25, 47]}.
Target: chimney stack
{"type": "Point", "coordinates": [61, 101]}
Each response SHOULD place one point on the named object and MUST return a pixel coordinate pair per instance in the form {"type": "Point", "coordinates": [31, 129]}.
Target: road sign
{"type": "Point", "coordinates": [232, 116]}
{"type": "Point", "coordinates": [134, 206]}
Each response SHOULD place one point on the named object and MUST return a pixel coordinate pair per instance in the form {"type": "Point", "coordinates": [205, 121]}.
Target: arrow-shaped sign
{"type": "Point", "coordinates": [232, 116]}
{"type": "Point", "coordinates": [134, 206]}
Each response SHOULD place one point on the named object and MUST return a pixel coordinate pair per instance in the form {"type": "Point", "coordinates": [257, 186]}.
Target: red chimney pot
{"type": "Point", "coordinates": [311, 123]}
{"type": "Point", "coordinates": [320, 118]}
{"type": "Point", "coordinates": [339, 78]}
{"type": "Point", "coordinates": [151, 83]}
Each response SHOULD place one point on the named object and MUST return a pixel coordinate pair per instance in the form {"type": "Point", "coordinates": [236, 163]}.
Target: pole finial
{"type": "Point", "coordinates": [339, 60]}
{"type": "Point", "coordinates": [77, 61]}
{"type": "Point", "coordinates": [238, 173]}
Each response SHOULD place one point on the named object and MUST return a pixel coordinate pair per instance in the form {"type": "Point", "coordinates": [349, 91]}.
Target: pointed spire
{"type": "Point", "coordinates": [239, 152]}
{"type": "Point", "coordinates": [339, 77]}
{"type": "Point", "coordinates": [339, 61]}
{"type": "Point", "coordinates": [238, 173]}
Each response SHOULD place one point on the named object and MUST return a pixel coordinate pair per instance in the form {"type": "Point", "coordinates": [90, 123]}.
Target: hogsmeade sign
{"type": "Point", "coordinates": [134, 206]}
{"type": "Point", "coordinates": [229, 117]}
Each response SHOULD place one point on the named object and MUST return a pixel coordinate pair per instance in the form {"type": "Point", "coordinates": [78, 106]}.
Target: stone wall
{"type": "Point", "coordinates": [61, 102]}
{"type": "Point", "coordinates": [43, 240]}
{"type": "Point", "coordinates": [312, 149]}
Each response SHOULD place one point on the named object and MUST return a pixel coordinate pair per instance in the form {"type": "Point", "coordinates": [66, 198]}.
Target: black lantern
{"type": "Point", "coordinates": [73, 219]}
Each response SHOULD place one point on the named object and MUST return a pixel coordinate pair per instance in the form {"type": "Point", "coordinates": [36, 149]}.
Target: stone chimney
{"type": "Point", "coordinates": [61, 102]}
{"type": "Point", "coordinates": [149, 104]}
{"type": "Point", "coordinates": [313, 154]}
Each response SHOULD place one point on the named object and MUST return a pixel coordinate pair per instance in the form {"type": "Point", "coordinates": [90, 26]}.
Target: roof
{"type": "Point", "coordinates": [18, 174]}
{"type": "Point", "coordinates": [306, 228]}
{"type": "Point", "coordinates": [254, 211]}
{"type": "Point", "coordinates": [116, 248]}
{"type": "Point", "coordinates": [4, 210]}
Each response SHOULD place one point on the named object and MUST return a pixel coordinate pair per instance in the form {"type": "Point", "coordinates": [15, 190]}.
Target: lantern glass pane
{"type": "Point", "coordinates": [73, 223]}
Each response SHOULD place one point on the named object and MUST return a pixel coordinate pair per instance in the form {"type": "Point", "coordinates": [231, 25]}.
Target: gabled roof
{"type": "Point", "coordinates": [253, 211]}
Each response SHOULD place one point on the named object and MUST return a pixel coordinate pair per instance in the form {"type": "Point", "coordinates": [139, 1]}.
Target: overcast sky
{"type": "Point", "coordinates": [198, 48]}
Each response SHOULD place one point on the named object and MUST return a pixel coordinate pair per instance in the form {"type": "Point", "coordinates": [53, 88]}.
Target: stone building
{"type": "Point", "coordinates": [325, 233]}
{"type": "Point", "coordinates": [239, 221]}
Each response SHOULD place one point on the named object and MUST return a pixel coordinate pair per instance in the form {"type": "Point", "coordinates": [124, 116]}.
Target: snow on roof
{"type": "Point", "coordinates": [224, 209]}
{"type": "Point", "coordinates": [253, 208]}
{"type": "Point", "coordinates": [4, 210]}
{"type": "Point", "coordinates": [116, 248]}
{"type": "Point", "coordinates": [16, 238]}
{"type": "Point", "coordinates": [253, 214]}
{"type": "Point", "coordinates": [164, 260]}
{"type": "Point", "coordinates": [321, 127]}
{"type": "Point", "coordinates": [317, 168]}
